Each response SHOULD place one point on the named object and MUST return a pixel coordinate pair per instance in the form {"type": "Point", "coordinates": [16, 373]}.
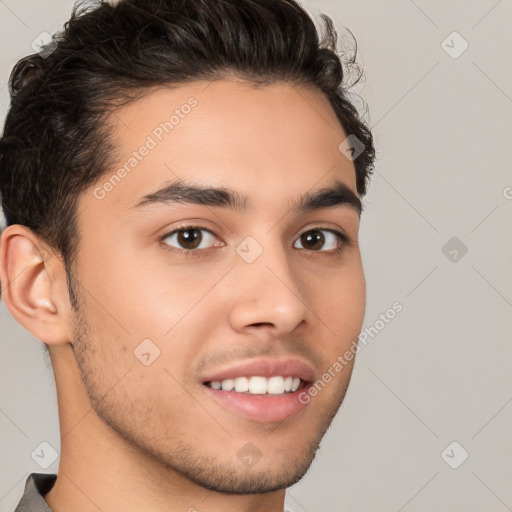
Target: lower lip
{"type": "Point", "coordinates": [262, 408]}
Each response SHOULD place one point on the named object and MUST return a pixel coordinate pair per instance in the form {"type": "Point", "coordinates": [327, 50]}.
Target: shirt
{"type": "Point", "coordinates": [36, 486]}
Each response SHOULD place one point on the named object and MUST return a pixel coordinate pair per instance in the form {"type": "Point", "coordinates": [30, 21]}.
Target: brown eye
{"type": "Point", "coordinates": [312, 239]}
{"type": "Point", "coordinates": [315, 239]}
{"type": "Point", "coordinates": [189, 238]}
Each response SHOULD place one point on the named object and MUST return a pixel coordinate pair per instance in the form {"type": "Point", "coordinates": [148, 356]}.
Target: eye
{"type": "Point", "coordinates": [189, 238]}
{"type": "Point", "coordinates": [314, 239]}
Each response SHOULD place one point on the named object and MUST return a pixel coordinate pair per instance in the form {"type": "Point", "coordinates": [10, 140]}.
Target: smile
{"type": "Point", "coordinates": [258, 385]}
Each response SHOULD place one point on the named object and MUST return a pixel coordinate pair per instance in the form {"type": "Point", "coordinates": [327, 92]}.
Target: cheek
{"type": "Point", "coordinates": [142, 297]}
{"type": "Point", "coordinates": [340, 304]}
{"type": "Point", "coordinates": [157, 309]}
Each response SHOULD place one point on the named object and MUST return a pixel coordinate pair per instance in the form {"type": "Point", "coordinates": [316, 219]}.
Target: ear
{"type": "Point", "coordinates": [34, 286]}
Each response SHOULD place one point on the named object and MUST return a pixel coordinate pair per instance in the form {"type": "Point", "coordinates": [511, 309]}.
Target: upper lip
{"type": "Point", "coordinates": [265, 368]}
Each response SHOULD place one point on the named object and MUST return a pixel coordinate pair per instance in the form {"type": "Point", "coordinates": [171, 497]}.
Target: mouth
{"type": "Point", "coordinates": [263, 391]}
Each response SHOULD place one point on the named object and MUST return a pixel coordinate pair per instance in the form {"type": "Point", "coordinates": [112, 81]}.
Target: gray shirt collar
{"type": "Point", "coordinates": [36, 486]}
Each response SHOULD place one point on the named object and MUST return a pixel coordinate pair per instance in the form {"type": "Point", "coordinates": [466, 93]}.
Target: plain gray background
{"type": "Point", "coordinates": [440, 371]}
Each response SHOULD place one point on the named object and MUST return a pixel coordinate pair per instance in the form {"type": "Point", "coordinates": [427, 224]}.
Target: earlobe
{"type": "Point", "coordinates": [31, 277]}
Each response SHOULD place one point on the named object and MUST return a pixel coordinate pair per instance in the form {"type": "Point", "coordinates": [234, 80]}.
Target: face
{"type": "Point", "coordinates": [182, 292]}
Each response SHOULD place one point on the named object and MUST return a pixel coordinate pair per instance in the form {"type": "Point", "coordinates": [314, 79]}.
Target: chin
{"type": "Point", "coordinates": [253, 480]}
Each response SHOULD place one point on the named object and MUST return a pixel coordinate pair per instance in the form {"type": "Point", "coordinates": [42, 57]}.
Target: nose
{"type": "Point", "coordinates": [267, 294]}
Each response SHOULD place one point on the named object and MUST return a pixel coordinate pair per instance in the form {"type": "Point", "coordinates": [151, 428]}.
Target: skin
{"type": "Point", "coordinates": [151, 432]}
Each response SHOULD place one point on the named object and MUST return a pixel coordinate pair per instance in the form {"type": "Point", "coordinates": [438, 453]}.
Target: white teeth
{"type": "Point", "coordinates": [257, 385]}
{"type": "Point", "coordinates": [228, 385]}
{"type": "Point", "coordinates": [276, 385]}
{"type": "Point", "coordinates": [241, 384]}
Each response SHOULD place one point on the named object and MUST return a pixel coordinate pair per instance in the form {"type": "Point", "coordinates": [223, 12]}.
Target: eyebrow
{"type": "Point", "coordinates": [337, 194]}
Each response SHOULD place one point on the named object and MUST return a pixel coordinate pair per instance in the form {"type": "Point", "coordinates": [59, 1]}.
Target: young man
{"type": "Point", "coordinates": [182, 185]}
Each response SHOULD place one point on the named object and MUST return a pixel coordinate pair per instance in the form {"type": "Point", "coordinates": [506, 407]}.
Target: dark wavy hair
{"type": "Point", "coordinates": [55, 142]}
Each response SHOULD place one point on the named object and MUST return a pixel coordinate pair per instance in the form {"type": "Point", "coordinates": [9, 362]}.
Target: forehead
{"type": "Point", "coordinates": [264, 142]}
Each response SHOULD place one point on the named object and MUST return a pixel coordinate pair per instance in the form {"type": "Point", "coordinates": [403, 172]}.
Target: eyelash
{"type": "Point", "coordinates": [344, 240]}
